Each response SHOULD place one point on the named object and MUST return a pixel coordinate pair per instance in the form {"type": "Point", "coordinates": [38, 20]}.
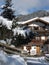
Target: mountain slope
{"type": "Point", "coordinates": [40, 13]}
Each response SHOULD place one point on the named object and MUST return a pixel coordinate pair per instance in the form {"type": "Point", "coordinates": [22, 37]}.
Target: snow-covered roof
{"type": "Point", "coordinates": [34, 25]}
{"type": "Point", "coordinates": [46, 19]}
{"type": "Point", "coordinates": [6, 22]}
{"type": "Point", "coordinates": [24, 22]}
{"type": "Point", "coordinates": [20, 22]}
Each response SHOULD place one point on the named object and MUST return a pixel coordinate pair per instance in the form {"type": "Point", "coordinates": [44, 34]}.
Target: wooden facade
{"type": "Point", "coordinates": [41, 29]}
{"type": "Point", "coordinates": [38, 50]}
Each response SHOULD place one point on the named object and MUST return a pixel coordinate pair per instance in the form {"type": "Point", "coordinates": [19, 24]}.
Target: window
{"type": "Point", "coordinates": [37, 38]}
{"type": "Point", "coordinates": [36, 28]}
{"type": "Point", "coordinates": [43, 38]}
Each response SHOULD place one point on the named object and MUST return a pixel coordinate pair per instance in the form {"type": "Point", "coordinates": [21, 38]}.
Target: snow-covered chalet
{"type": "Point", "coordinates": [40, 27]}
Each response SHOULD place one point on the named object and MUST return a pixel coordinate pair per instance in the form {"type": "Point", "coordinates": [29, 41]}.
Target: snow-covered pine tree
{"type": "Point", "coordinates": [7, 10]}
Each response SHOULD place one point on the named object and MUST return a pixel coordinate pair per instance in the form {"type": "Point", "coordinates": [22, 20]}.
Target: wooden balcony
{"type": "Point", "coordinates": [41, 32]}
{"type": "Point", "coordinates": [36, 42]}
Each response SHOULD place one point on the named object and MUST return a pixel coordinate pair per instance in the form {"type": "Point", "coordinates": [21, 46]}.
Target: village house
{"type": "Point", "coordinates": [40, 27]}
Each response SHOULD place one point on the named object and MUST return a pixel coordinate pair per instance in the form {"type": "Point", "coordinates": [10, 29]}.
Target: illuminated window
{"type": "Point", "coordinates": [43, 38]}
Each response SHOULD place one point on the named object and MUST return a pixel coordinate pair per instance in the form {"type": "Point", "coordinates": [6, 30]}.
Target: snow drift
{"type": "Point", "coordinates": [11, 60]}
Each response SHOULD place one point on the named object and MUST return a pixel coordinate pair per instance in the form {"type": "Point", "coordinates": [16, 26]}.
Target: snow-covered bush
{"type": "Point", "coordinates": [5, 22]}
{"type": "Point", "coordinates": [17, 35]}
{"type": "Point", "coordinates": [21, 36]}
{"type": "Point", "coordinates": [21, 31]}
{"type": "Point", "coordinates": [5, 30]}
{"type": "Point", "coordinates": [2, 41]}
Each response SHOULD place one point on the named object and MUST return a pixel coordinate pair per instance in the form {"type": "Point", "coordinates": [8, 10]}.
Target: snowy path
{"type": "Point", "coordinates": [35, 64]}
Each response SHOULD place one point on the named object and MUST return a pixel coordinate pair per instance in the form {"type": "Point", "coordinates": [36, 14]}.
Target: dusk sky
{"type": "Point", "coordinates": [28, 6]}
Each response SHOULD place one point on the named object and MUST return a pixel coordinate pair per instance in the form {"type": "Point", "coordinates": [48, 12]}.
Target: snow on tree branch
{"type": "Point", "coordinates": [6, 22]}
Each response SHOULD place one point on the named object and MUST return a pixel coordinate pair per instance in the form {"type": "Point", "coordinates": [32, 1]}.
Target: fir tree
{"type": "Point", "coordinates": [7, 10]}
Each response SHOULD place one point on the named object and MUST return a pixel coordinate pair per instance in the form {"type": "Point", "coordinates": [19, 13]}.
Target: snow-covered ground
{"type": "Point", "coordinates": [36, 60]}
{"type": "Point", "coordinates": [5, 42]}
{"type": "Point", "coordinates": [2, 41]}
{"type": "Point", "coordinates": [6, 59]}
{"type": "Point", "coordinates": [11, 60]}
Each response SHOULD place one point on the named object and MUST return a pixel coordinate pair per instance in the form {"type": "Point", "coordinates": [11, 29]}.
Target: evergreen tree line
{"type": "Point", "coordinates": [8, 13]}
{"type": "Point", "coordinates": [17, 40]}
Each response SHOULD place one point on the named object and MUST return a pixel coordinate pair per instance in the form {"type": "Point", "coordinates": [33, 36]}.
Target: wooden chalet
{"type": "Point", "coordinates": [40, 27]}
